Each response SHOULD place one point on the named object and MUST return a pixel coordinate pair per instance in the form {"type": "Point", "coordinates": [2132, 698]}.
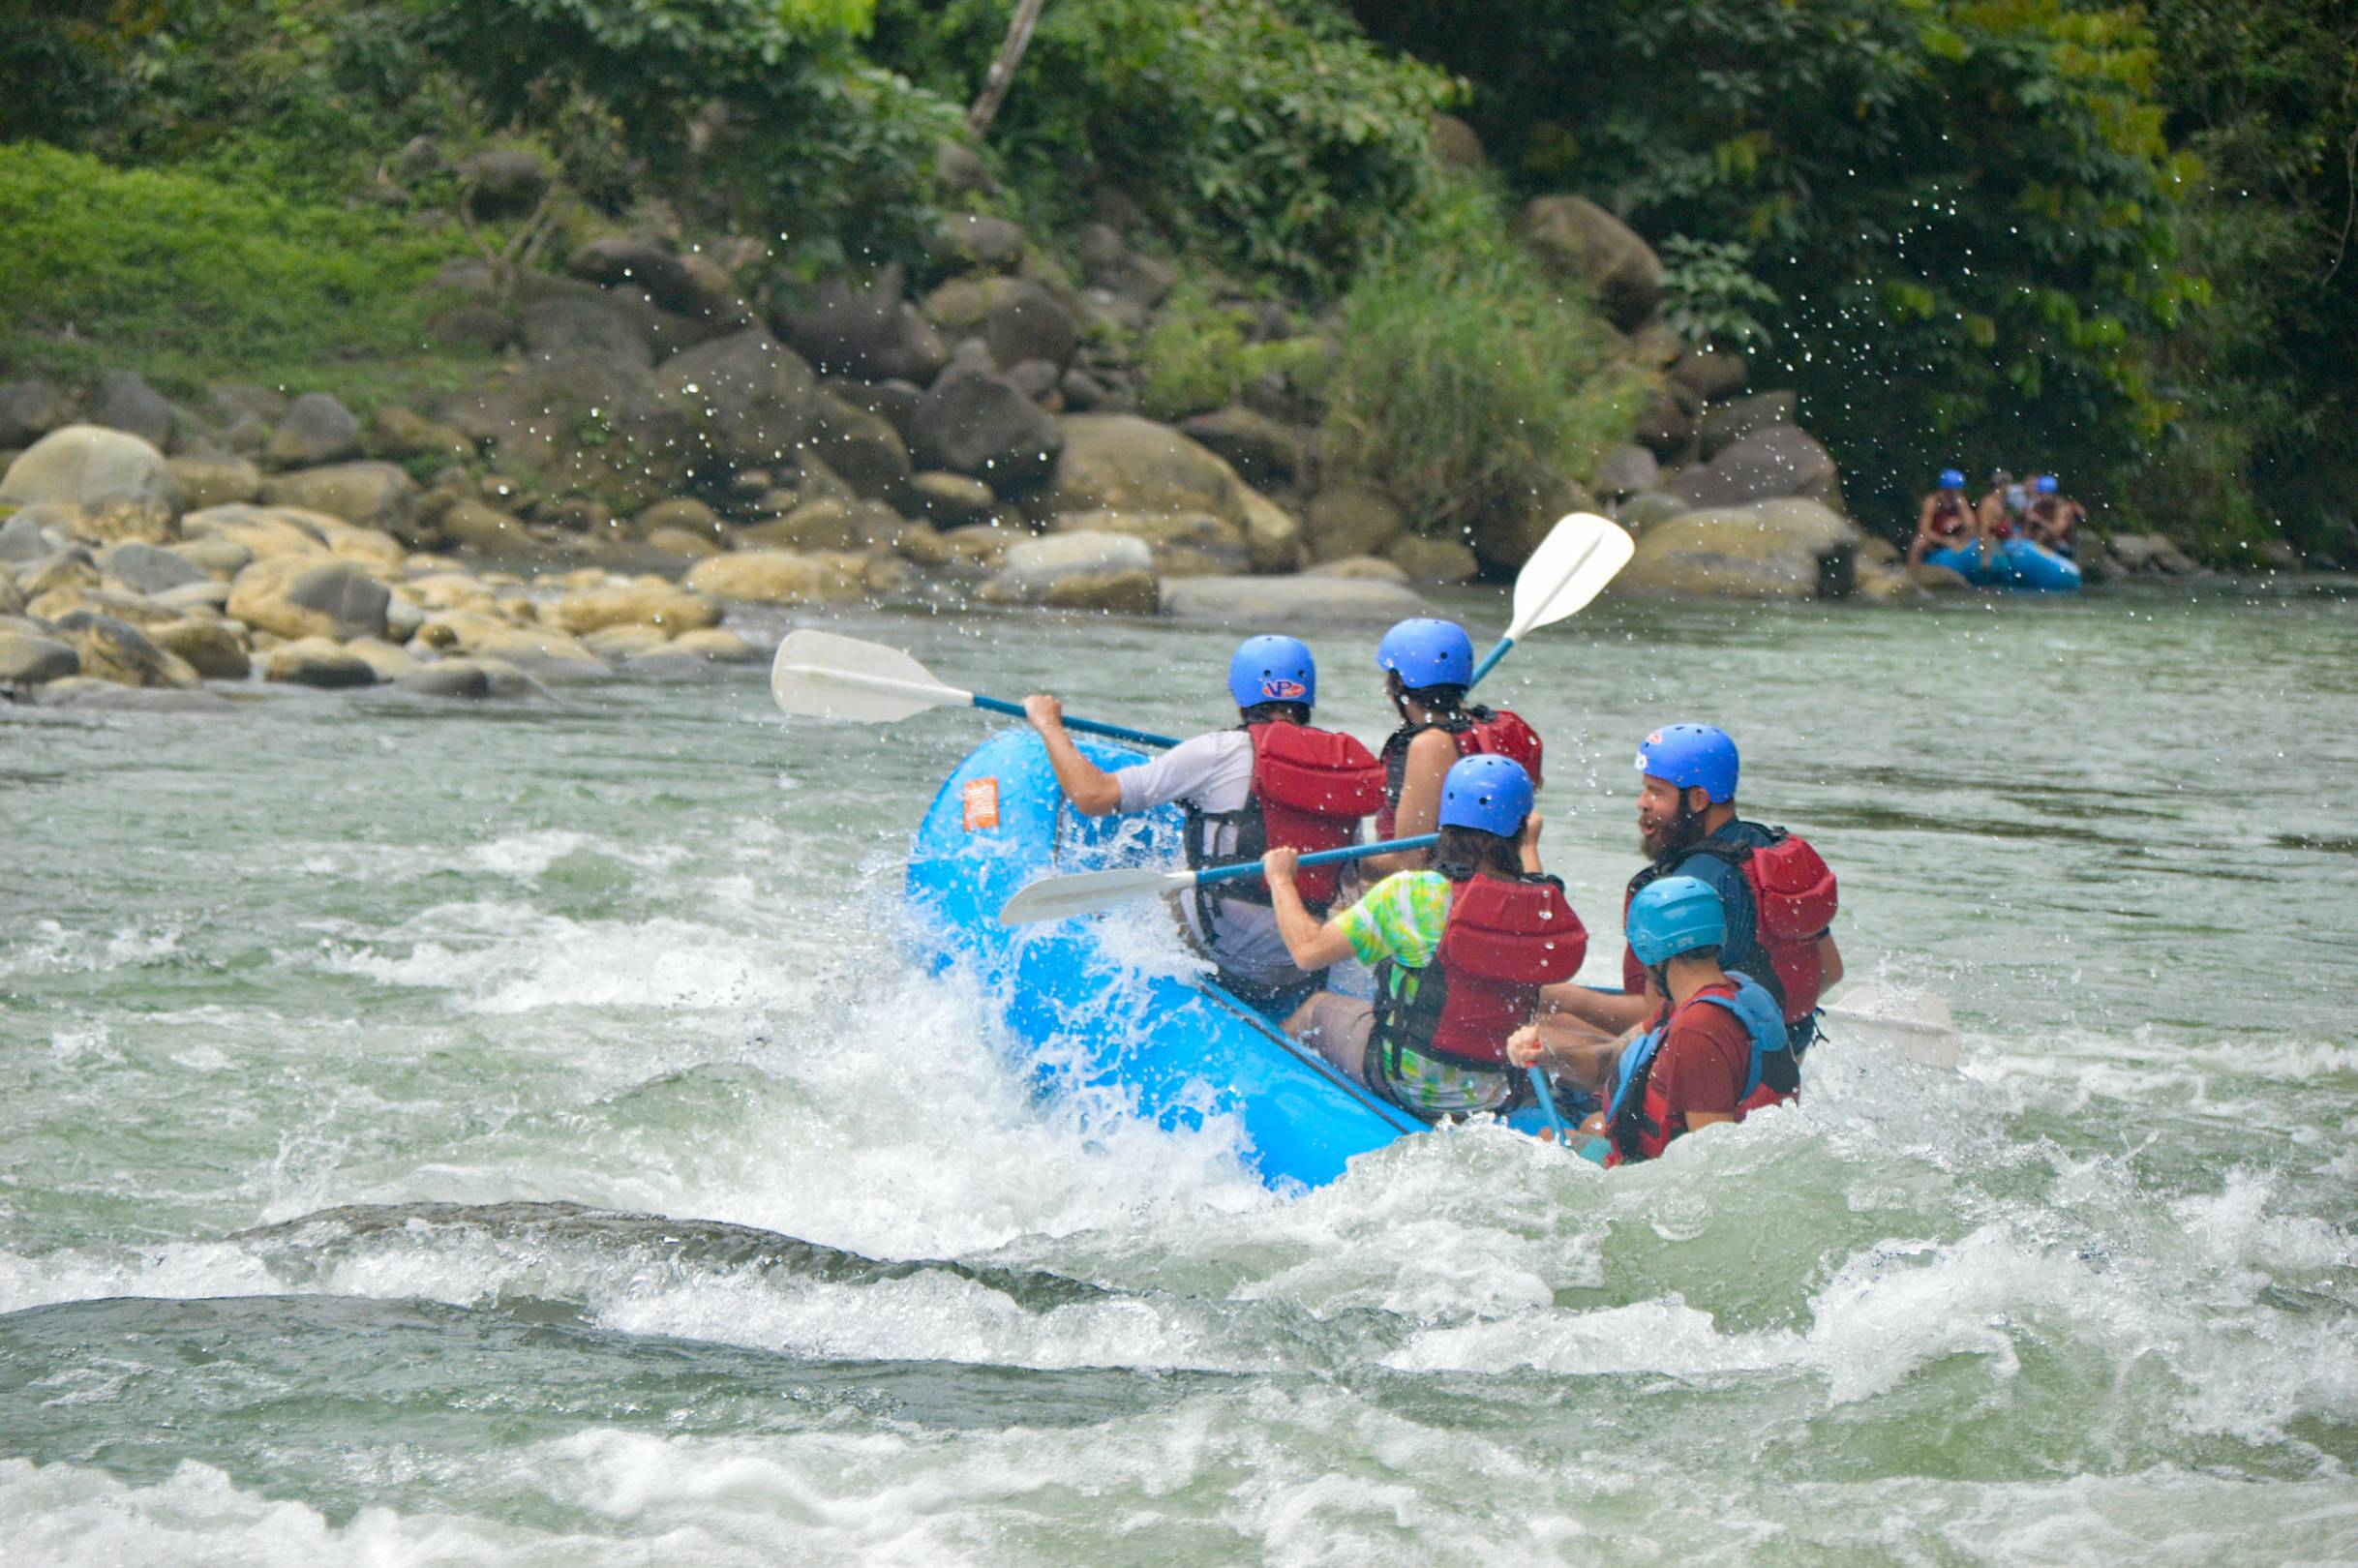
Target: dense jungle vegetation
{"type": "Point", "coordinates": [2112, 240]}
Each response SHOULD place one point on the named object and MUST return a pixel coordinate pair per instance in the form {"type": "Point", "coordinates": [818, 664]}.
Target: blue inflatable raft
{"type": "Point", "coordinates": [1176, 1048]}
{"type": "Point", "coordinates": [2017, 565]}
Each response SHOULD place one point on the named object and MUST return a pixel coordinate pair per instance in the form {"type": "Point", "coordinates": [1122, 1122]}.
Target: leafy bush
{"type": "Point", "coordinates": [1197, 356]}
{"type": "Point", "coordinates": [1467, 378]}
{"type": "Point", "coordinates": [1265, 132]}
{"type": "Point", "coordinates": [1709, 294]}
{"type": "Point", "coordinates": [191, 278]}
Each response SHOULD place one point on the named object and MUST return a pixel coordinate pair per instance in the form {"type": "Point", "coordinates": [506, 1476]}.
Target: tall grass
{"type": "Point", "coordinates": [1467, 377]}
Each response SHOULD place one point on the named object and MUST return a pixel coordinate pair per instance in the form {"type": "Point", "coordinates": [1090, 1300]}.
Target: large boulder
{"type": "Point", "coordinates": [1263, 451]}
{"type": "Point", "coordinates": [214, 480]}
{"type": "Point", "coordinates": [1711, 372]}
{"type": "Point", "coordinates": [1078, 571]}
{"type": "Point", "coordinates": [1273, 535]}
{"type": "Point", "coordinates": [1778, 460]}
{"type": "Point", "coordinates": [861, 447]}
{"type": "Point", "coordinates": [1433, 560]}
{"type": "Point", "coordinates": [210, 645]}
{"type": "Point", "coordinates": [1575, 238]}
{"type": "Point", "coordinates": [1029, 323]}
{"type": "Point", "coordinates": [1121, 463]}
{"type": "Point", "coordinates": [296, 596]}
{"type": "Point", "coordinates": [778, 577]}
{"type": "Point", "coordinates": [1724, 424]}
{"type": "Point", "coordinates": [949, 500]}
{"type": "Point", "coordinates": [316, 661]}
{"type": "Point", "coordinates": [315, 430]}
{"type": "Point", "coordinates": [29, 659]}
{"type": "Point", "coordinates": [124, 400]}
{"type": "Point", "coordinates": [752, 399]}
{"type": "Point", "coordinates": [400, 432]}
{"type": "Point", "coordinates": [1351, 519]}
{"type": "Point", "coordinates": [1187, 544]}
{"type": "Point", "coordinates": [116, 651]}
{"type": "Point", "coordinates": [692, 285]}
{"type": "Point", "coordinates": [565, 325]}
{"type": "Point", "coordinates": [587, 424]}
{"type": "Point", "coordinates": [1627, 469]}
{"type": "Point", "coordinates": [84, 466]}
{"type": "Point", "coordinates": [371, 494]}
{"type": "Point", "coordinates": [1505, 532]}
{"type": "Point", "coordinates": [654, 604]}
{"type": "Point", "coordinates": [31, 408]}
{"type": "Point", "coordinates": [871, 333]}
{"type": "Point", "coordinates": [146, 568]}
{"type": "Point", "coordinates": [965, 239]}
{"type": "Point", "coordinates": [1265, 602]}
{"type": "Point", "coordinates": [1769, 550]}
{"type": "Point", "coordinates": [977, 425]}
{"type": "Point", "coordinates": [260, 534]}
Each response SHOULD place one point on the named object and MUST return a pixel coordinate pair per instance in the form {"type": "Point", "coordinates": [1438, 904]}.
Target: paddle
{"type": "Point", "coordinates": [1060, 898]}
{"type": "Point", "coordinates": [1915, 1023]}
{"type": "Point", "coordinates": [818, 675]}
{"type": "Point", "coordinates": [1573, 563]}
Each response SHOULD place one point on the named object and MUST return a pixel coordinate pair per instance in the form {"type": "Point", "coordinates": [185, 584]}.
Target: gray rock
{"type": "Point", "coordinates": [125, 402]}
{"type": "Point", "coordinates": [1725, 424]}
{"type": "Point", "coordinates": [29, 660]}
{"type": "Point", "coordinates": [419, 159]}
{"type": "Point", "coordinates": [216, 480]}
{"type": "Point", "coordinates": [1574, 237]}
{"type": "Point", "coordinates": [370, 495]}
{"type": "Point", "coordinates": [754, 397]}
{"type": "Point", "coordinates": [210, 646]}
{"type": "Point", "coordinates": [949, 500]}
{"type": "Point", "coordinates": [1036, 378]}
{"type": "Point", "coordinates": [31, 408]}
{"type": "Point", "coordinates": [1265, 602]}
{"type": "Point", "coordinates": [1774, 460]}
{"type": "Point", "coordinates": [203, 594]}
{"type": "Point", "coordinates": [1352, 520]}
{"type": "Point", "coordinates": [1627, 471]}
{"type": "Point", "coordinates": [451, 677]}
{"type": "Point", "coordinates": [1768, 550]}
{"type": "Point", "coordinates": [677, 283]}
{"type": "Point", "coordinates": [1078, 571]}
{"type": "Point", "coordinates": [353, 601]}
{"type": "Point", "coordinates": [484, 328]}
{"type": "Point", "coordinates": [505, 181]}
{"type": "Point", "coordinates": [1030, 323]}
{"type": "Point", "coordinates": [315, 430]}
{"type": "Point", "coordinates": [896, 402]}
{"type": "Point", "coordinates": [871, 333]}
{"type": "Point", "coordinates": [970, 240]}
{"type": "Point", "coordinates": [861, 447]}
{"type": "Point", "coordinates": [313, 662]}
{"type": "Point", "coordinates": [114, 650]}
{"type": "Point", "coordinates": [146, 568]}
{"type": "Point", "coordinates": [1268, 455]}
{"type": "Point", "coordinates": [84, 466]}
{"type": "Point", "coordinates": [1712, 373]}
{"type": "Point", "coordinates": [978, 426]}
{"type": "Point", "coordinates": [24, 537]}
{"type": "Point", "coordinates": [85, 694]}
{"type": "Point", "coordinates": [553, 328]}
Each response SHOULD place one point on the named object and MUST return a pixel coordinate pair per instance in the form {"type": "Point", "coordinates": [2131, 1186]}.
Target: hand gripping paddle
{"type": "Point", "coordinates": [1086, 893]}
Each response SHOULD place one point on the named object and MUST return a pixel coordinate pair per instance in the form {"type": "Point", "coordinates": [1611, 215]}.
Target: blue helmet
{"type": "Point", "coordinates": [1691, 756]}
{"type": "Point", "coordinates": [1428, 654]}
{"type": "Point", "coordinates": [1490, 792]}
{"type": "Point", "coordinates": [2047, 484]}
{"type": "Point", "coordinates": [1952, 478]}
{"type": "Point", "coordinates": [1273, 669]}
{"type": "Point", "coordinates": [1674, 915]}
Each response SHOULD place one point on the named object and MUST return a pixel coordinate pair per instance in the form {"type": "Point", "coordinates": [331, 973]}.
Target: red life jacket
{"type": "Point", "coordinates": [1950, 520]}
{"type": "Point", "coordinates": [1503, 940]}
{"type": "Point", "coordinates": [1310, 789]}
{"type": "Point", "coordinates": [1793, 903]}
{"type": "Point", "coordinates": [1637, 1113]}
{"type": "Point", "coordinates": [1479, 731]}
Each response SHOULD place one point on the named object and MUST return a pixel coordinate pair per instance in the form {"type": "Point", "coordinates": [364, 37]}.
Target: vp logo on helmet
{"type": "Point", "coordinates": [1281, 690]}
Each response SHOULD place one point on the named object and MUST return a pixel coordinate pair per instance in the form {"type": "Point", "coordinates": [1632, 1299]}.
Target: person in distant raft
{"type": "Point", "coordinates": [1709, 1043]}
{"type": "Point", "coordinates": [2053, 519]}
{"type": "Point", "coordinates": [2002, 509]}
{"type": "Point", "coordinates": [1427, 665]}
{"type": "Point", "coordinates": [1945, 519]}
{"type": "Point", "coordinates": [1272, 780]}
{"type": "Point", "coordinates": [1460, 951]}
{"type": "Point", "coordinates": [1778, 899]}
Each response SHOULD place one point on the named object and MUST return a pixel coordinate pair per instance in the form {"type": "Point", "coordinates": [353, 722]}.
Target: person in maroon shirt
{"type": "Point", "coordinates": [1699, 1058]}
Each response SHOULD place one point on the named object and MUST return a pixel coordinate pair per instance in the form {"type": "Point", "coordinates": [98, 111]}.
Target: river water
{"type": "Point", "coordinates": [516, 1134]}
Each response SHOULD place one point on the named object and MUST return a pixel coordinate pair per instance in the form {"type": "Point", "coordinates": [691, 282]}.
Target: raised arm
{"type": "Point", "coordinates": [1093, 791]}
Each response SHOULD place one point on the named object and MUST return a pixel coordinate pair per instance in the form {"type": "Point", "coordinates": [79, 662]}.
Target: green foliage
{"type": "Point", "coordinates": [204, 279]}
{"type": "Point", "coordinates": [1265, 132]}
{"type": "Point", "coordinates": [1198, 356]}
{"type": "Point", "coordinates": [1467, 378]}
{"type": "Point", "coordinates": [1709, 294]}
{"type": "Point", "coordinates": [1963, 206]}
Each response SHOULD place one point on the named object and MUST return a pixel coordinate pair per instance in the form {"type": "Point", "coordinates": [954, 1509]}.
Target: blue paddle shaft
{"type": "Point", "coordinates": [1000, 705]}
{"type": "Point", "coordinates": [1546, 1092]}
{"type": "Point", "coordinates": [1490, 661]}
{"type": "Point", "coordinates": [1332, 857]}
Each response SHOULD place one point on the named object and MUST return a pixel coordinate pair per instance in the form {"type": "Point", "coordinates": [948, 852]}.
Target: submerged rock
{"type": "Point", "coordinates": [30, 660]}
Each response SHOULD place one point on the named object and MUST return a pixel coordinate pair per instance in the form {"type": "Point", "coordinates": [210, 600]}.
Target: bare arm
{"type": "Point", "coordinates": [1420, 804]}
{"type": "Point", "coordinates": [1093, 791]}
{"type": "Point", "coordinates": [1610, 1011]}
{"type": "Point", "coordinates": [1829, 964]}
{"type": "Point", "coordinates": [1312, 943]}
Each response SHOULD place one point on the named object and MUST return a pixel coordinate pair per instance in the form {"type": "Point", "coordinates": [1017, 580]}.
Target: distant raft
{"type": "Point", "coordinates": [2015, 566]}
{"type": "Point", "coordinates": [1177, 1050]}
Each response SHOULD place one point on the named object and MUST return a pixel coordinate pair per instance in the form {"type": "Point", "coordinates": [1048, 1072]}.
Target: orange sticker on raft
{"type": "Point", "coordinates": [982, 803]}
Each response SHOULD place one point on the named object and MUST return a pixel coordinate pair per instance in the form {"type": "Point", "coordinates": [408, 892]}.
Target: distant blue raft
{"type": "Point", "coordinates": [1180, 1050]}
{"type": "Point", "coordinates": [2017, 565]}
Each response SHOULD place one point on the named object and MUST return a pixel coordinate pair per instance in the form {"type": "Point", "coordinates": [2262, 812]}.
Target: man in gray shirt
{"type": "Point", "coordinates": [1274, 682]}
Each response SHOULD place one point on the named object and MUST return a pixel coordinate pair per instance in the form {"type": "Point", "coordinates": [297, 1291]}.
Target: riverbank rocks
{"type": "Point", "coordinates": [30, 408]}
{"type": "Point", "coordinates": [1351, 519]}
{"type": "Point", "coordinates": [1121, 463]}
{"type": "Point", "coordinates": [369, 495]}
{"type": "Point", "coordinates": [1575, 238]}
{"type": "Point", "coordinates": [748, 399]}
{"type": "Point", "coordinates": [1263, 452]}
{"type": "Point", "coordinates": [1189, 544]}
{"type": "Point", "coordinates": [1774, 460]}
{"type": "Point", "coordinates": [654, 604]}
{"type": "Point", "coordinates": [210, 645]}
{"type": "Point", "coordinates": [123, 401]}
{"type": "Point", "coordinates": [216, 480]}
{"type": "Point", "coordinates": [980, 425]}
{"type": "Point", "coordinates": [1724, 424]}
{"type": "Point", "coordinates": [585, 424]}
{"type": "Point", "coordinates": [315, 429]}
{"type": "Point", "coordinates": [1287, 602]}
{"type": "Point", "coordinates": [315, 662]}
{"type": "Point", "coordinates": [294, 596]}
{"type": "Point", "coordinates": [112, 650]}
{"type": "Point", "coordinates": [29, 659]}
{"type": "Point", "coordinates": [448, 677]}
{"type": "Point", "coordinates": [262, 534]}
{"type": "Point", "coordinates": [778, 577]}
{"type": "Point", "coordinates": [1433, 560]}
{"type": "Point", "coordinates": [86, 467]}
{"type": "Point", "coordinates": [1769, 550]}
{"type": "Point", "coordinates": [1112, 572]}
{"type": "Point", "coordinates": [146, 568]}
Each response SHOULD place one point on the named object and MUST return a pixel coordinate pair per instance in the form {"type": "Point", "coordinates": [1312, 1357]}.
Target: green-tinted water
{"type": "Point", "coordinates": [513, 1135]}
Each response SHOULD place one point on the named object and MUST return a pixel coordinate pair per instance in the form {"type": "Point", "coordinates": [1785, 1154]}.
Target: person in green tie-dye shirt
{"type": "Point", "coordinates": [1434, 1040]}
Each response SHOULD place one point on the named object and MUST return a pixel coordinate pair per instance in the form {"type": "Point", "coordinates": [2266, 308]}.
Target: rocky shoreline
{"type": "Point", "coordinates": [654, 445]}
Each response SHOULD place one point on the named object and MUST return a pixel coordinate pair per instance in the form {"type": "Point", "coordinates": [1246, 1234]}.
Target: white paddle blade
{"type": "Point", "coordinates": [818, 675]}
{"type": "Point", "coordinates": [1582, 554]}
{"type": "Point", "coordinates": [1086, 893]}
{"type": "Point", "coordinates": [1915, 1023]}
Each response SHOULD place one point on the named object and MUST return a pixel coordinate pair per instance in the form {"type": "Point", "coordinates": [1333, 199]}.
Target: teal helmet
{"type": "Point", "coordinates": [1674, 915]}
